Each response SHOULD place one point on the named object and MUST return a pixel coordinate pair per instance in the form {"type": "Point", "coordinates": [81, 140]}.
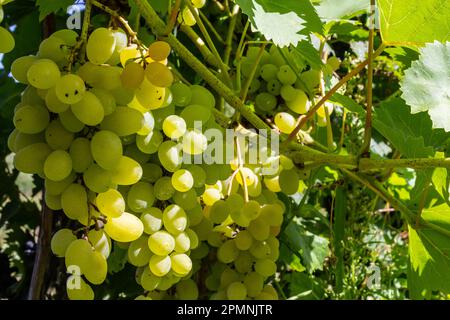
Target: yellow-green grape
{"type": "Point", "coordinates": [11, 143]}
{"type": "Point", "coordinates": [186, 17]}
{"type": "Point", "coordinates": [254, 283]}
{"type": "Point", "coordinates": [67, 35]}
{"type": "Point", "coordinates": [182, 94]}
{"type": "Point", "coordinates": [100, 241]}
{"type": "Point", "coordinates": [70, 121]}
{"type": "Point", "coordinates": [285, 122]}
{"type": "Point", "coordinates": [150, 96]}
{"type": "Point", "coordinates": [215, 239]}
{"type": "Point", "coordinates": [43, 74]}
{"type": "Point", "coordinates": [260, 249]}
{"type": "Point", "coordinates": [195, 215]}
{"type": "Point", "coordinates": [78, 289]}
{"type": "Point", "coordinates": [227, 252]}
{"type": "Point", "coordinates": [31, 158]}
{"type": "Point", "coordinates": [186, 200]}
{"type": "Point", "coordinates": [198, 3]}
{"type": "Point", "coordinates": [127, 172]}
{"type": "Point", "coordinates": [148, 280]}
{"type": "Point", "coordinates": [152, 220]}
{"type": "Point", "coordinates": [288, 93]}
{"type": "Point", "coordinates": [286, 162]}
{"type": "Point", "coordinates": [273, 213]}
{"type": "Point", "coordinates": [133, 152]}
{"type": "Point", "coordinates": [243, 240]}
{"type": "Point", "coordinates": [58, 165]}
{"type": "Point", "coordinates": [311, 78]}
{"type": "Point", "coordinates": [181, 263]}
{"type": "Point", "coordinates": [244, 262]}
{"type": "Point", "coordinates": [289, 181]}
{"type": "Point", "coordinates": [169, 155]}
{"type": "Point", "coordinates": [236, 291]}
{"type": "Point", "coordinates": [194, 142]}
{"type": "Point", "coordinates": [139, 253]}
{"type": "Point", "coordinates": [132, 75]}
{"type": "Point", "coordinates": [163, 189]}
{"type": "Point", "coordinates": [123, 121]}
{"type": "Point", "coordinates": [182, 180]}
{"type": "Point", "coordinates": [182, 242]}
{"type": "Point", "coordinates": [174, 127]}
{"type": "Point", "coordinates": [61, 241]}
{"type": "Point", "coordinates": [55, 188]}
{"type": "Point", "coordinates": [107, 100]}
{"type": "Point", "coordinates": [187, 290]}
{"type": "Point", "coordinates": [248, 174]}
{"type": "Point", "coordinates": [149, 124]}
{"type": "Point", "coordinates": [80, 152]}
{"type": "Point", "coordinates": [160, 265]}
{"type": "Point", "coordinates": [268, 72]}
{"type": "Point", "coordinates": [158, 50]}
{"type": "Point", "coordinates": [7, 41]}
{"type": "Point", "coordinates": [174, 219]}
{"type": "Point", "coordinates": [251, 210]}
{"type": "Point", "coordinates": [70, 89]}
{"type": "Point", "coordinates": [53, 48]}
{"type": "Point", "coordinates": [96, 268]}
{"type": "Point", "coordinates": [274, 245]}
{"type": "Point", "coordinates": [89, 110]}
{"type": "Point", "coordinates": [266, 101]}
{"type": "Point", "coordinates": [272, 183]}
{"type": "Point", "coordinates": [159, 75]}
{"type": "Point", "coordinates": [108, 78]}
{"type": "Point", "coordinates": [53, 103]}
{"type": "Point", "coordinates": [53, 202]}
{"type": "Point", "coordinates": [110, 203]}
{"type": "Point", "coordinates": [151, 172]}
{"type": "Point", "coordinates": [321, 111]}
{"type": "Point", "coordinates": [74, 201]}
{"type": "Point", "coordinates": [106, 149]}
{"type": "Point", "coordinates": [97, 179]}
{"type": "Point", "coordinates": [78, 254]}
{"type": "Point", "coordinates": [140, 197]}
{"type": "Point", "coordinates": [202, 96]}
{"type": "Point", "coordinates": [300, 103]}
{"type": "Point", "coordinates": [286, 75]}
{"type": "Point", "coordinates": [168, 281]}
{"type": "Point", "coordinates": [57, 137]}
{"type": "Point", "coordinates": [228, 276]}
{"type": "Point", "coordinates": [265, 267]}
{"type": "Point", "coordinates": [22, 140]}
{"type": "Point", "coordinates": [193, 239]}
{"type": "Point", "coordinates": [121, 43]}
{"type": "Point", "coordinates": [129, 53]}
{"type": "Point", "coordinates": [31, 119]}
{"type": "Point", "coordinates": [150, 143]}
{"type": "Point", "coordinates": [161, 243]}
{"type": "Point", "coordinates": [334, 63]}
{"type": "Point", "coordinates": [100, 45]}
{"type": "Point", "coordinates": [198, 174]}
{"type": "Point", "coordinates": [259, 229]}
{"type": "Point", "coordinates": [219, 211]}
{"type": "Point", "coordinates": [125, 228]}
{"type": "Point", "coordinates": [20, 66]}
{"type": "Point", "coordinates": [210, 196]}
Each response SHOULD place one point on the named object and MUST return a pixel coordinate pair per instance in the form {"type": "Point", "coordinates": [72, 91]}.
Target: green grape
{"type": "Point", "coordinates": [58, 165]}
{"type": "Point", "coordinates": [265, 267]}
{"type": "Point", "coordinates": [186, 17]}
{"type": "Point", "coordinates": [89, 110]}
{"type": "Point", "coordinates": [254, 283]}
{"type": "Point", "coordinates": [195, 215]}
{"type": "Point", "coordinates": [202, 96]}
{"type": "Point", "coordinates": [311, 78]}
{"type": "Point", "coordinates": [288, 93]}
{"type": "Point", "coordinates": [150, 143]}
{"type": "Point", "coordinates": [168, 281]}
{"type": "Point", "coordinates": [210, 196]}
{"type": "Point", "coordinates": [22, 140]}
{"type": "Point", "coordinates": [2, 13]}
{"type": "Point", "coordinates": [67, 35]}
{"type": "Point", "coordinates": [273, 214]}
{"type": "Point", "coordinates": [286, 75]}
{"type": "Point", "coordinates": [53, 48]}
{"type": "Point", "coordinates": [81, 292]}
{"type": "Point", "coordinates": [170, 156]}
{"type": "Point", "coordinates": [148, 280]}
{"type": "Point", "coordinates": [198, 174]}
{"type": "Point", "coordinates": [193, 239]}
{"type": "Point", "coordinates": [162, 113]}
{"type": "Point", "coordinates": [57, 137]}
{"type": "Point", "coordinates": [20, 66]}
{"type": "Point", "coordinates": [12, 140]}
{"type": "Point", "coordinates": [219, 211]}
{"type": "Point", "coordinates": [159, 75]}
{"type": "Point", "coordinates": [96, 268]}
{"type": "Point", "coordinates": [30, 97]}
{"type": "Point", "coordinates": [251, 210]}
{"type": "Point", "coordinates": [88, 72]}
{"type": "Point", "coordinates": [70, 121]}
{"type": "Point", "coordinates": [186, 200]}
{"type": "Point", "coordinates": [151, 172]}
{"type": "Point", "coordinates": [243, 240]}
{"type": "Point", "coordinates": [149, 124]}
{"type": "Point", "coordinates": [269, 293]}
{"type": "Point", "coordinates": [266, 101]}
{"type": "Point", "coordinates": [235, 201]}
{"type": "Point", "coordinates": [161, 243]}
{"type": "Point", "coordinates": [248, 174]}
{"type": "Point", "coordinates": [97, 179]}
{"type": "Point", "coordinates": [78, 254]}
{"type": "Point", "coordinates": [181, 263]}
{"type": "Point", "coordinates": [259, 229]}
{"type": "Point", "coordinates": [74, 201]}
{"type": "Point", "coordinates": [158, 50]}
{"type": "Point", "coordinates": [276, 57]}
{"type": "Point", "coordinates": [150, 96]}
{"type": "Point", "coordinates": [70, 89]}
{"type": "Point", "coordinates": [152, 220]}
{"type": "Point", "coordinates": [182, 94]}
{"type": "Point", "coordinates": [285, 122]}
{"type": "Point", "coordinates": [187, 290]}
{"type": "Point", "coordinates": [110, 203]}
{"type": "Point", "coordinates": [42, 93]}
{"type": "Point", "coordinates": [106, 99]}
{"type": "Point", "coordinates": [107, 78]}
{"type": "Point", "coordinates": [53, 103]}
{"type": "Point", "coordinates": [100, 46]}
{"type": "Point", "coordinates": [80, 152]}
{"type": "Point", "coordinates": [198, 4]}
{"type": "Point", "coordinates": [274, 245]}
{"type": "Point", "coordinates": [174, 127]}
{"type": "Point", "coordinates": [215, 239]}
{"type": "Point", "coordinates": [101, 242]}
{"type": "Point", "coordinates": [247, 66]}
{"type": "Point", "coordinates": [31, 119]}
{"type": "Point", "coordinates": [194, 142]}
{"type": "Point", "coordinates": [7, 42]}
{"type": "Point", "coordinates": [200, 252]}
{"type": "Point", "coordinates": [236, 291]}
{"type": "Point", "coordinates": [289, 181]}
{"type": "Point", "coordinates": [300, 103]}
{"type": "Point", "coordinates": [163, 189]}
{"type": "Point", "coordinates": [139, 253]}
{"type": "Point", "coordinates": [227, 252]}
{"type": "Point", "coordinates": [195, 114]}
{"type": "Point", "coordinates": [121, 43]}
{"type": "Point", "coordinates": [61, 241]}
{"type": "Point", "coordinates": [55, 188]}
{"type": "Point", "coordinates": [140, 197]}
{"type": "Point", "coordinates": [106, 149]}
{"type": "Point", "coordinates": [268, 72]}
{"type": "Point", "coordinates": [133, 152]}
{"type": "Point", "coordinates": [244, 262]}
{"type": "Point", "coordinates": [260, 249]}
{"type": "Point", "coordinates": [125, 228]}
{"type": "Point", "coordinates": [274, 87]}
{"type": "Point", "coordinates": [174, 219]}
{"type": "Point", "coordinates": [53, 202]}
{"type": "Point", "coordinates": [182, 180]}
{"type": "Point", "coordinates": [254, 86]}
{"type": "Point", "coordinates": [160, 265]}
{"type": "Point", "coordinates": [43, 74]}
{"type": "Point", "coordinates": [123, 121]}
{"type": "Point", "coordinates": [182, 242]}
{"type": "Point", "coordinates": [127, 172]}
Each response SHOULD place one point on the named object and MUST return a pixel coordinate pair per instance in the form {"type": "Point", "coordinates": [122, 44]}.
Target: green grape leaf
{"type": "Point", "coordinates": [347, 103]}
{"type": "Point", "coordinates": [312, 248]}
{"type": "Point", "coordinates": [426, 85]}
{"type": "Point", "coordinates": [336, 9]}
{"type": "Point", "coordinates": [440, 182]}
{"type": "Point", "coordinates": [284, 22]}
{"type": "Point", "coordinates": [307, 51]}
{"type": "Point", "coordinates": [430, 251]}
{"type": "Point", "coordinates": [414, 21]}
{"type": "Point", "coordinates": [47, 7]}
{"type": "Point", "coordinates": [302, 286]}
{"type": "Point", "coordinates": [404, 55]}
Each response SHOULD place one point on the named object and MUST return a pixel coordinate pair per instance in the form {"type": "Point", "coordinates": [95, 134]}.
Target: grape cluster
{"type": "Point", "coordinates": [278, 91]}
{"type": "Point", "coordinates": [7, 41]}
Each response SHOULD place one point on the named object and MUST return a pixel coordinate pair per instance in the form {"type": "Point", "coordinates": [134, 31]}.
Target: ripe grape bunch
{"type": "Point", "coordinates": [7, 41]}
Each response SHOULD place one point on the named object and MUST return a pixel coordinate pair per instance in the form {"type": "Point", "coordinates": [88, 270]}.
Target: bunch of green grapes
{"type": "Point", "coordinates": [7, 41]}
{"type": "Point", "coordinates": [278, 91]}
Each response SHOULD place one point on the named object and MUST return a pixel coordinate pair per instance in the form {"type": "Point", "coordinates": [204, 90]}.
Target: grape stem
{"type": "Point", "coordinates": [241, 172]}
{"type": "Point", "coordinates": [200, 44]}
{"type": "Point", "coordinates": [80, 47]}
{"type": "Point", "coordinates": [173, 16]}
{"type": "Point", "coordinates": [211, 27]}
